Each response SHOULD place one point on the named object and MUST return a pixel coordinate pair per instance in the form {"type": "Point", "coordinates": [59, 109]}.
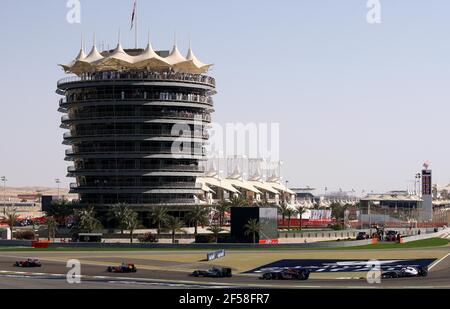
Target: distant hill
{"type": "Point", "coordinates": [12, 193]}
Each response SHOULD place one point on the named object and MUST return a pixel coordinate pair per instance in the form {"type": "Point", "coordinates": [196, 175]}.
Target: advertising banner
{"type": "Point", "coordinates": [215, 255]}
{"type": "Point", "coordinates": [268, 241]}
{"type": "Point", "coordinates": [320, 215]}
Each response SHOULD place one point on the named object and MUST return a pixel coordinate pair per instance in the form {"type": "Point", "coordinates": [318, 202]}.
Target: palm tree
{"type": "Point", "coordinates": [238, 201]}
{"type": "Point", "coordinates": [252, 227]}
{"type": "Point", "coordinates": [289, 213]}
{"type": "Point", "coordinates": [159, 216]}
{"type": "Point", "coordinates": [60, 210]}
{"type": "Point", "coordinates": [222, 208]}
{"type": "Point", "coordinates": [120, 213]}
{"type": "Point", "coordinates": [198, 216]}
{"type": "Point", "coordinates": [88, 221]}
{"type": "Point", "coordinates": [263, 203]}
{"type": "Point", "coordinates": [216, 230]}
{"type": "Point", "coordinates": [132, 223]}
{"type": "Point", "coordinates": [282, 210]}
{"type": "Point", "coordinates": [11, 219]}
{"type": "Point", "coordinates": [51, 227]}
{"type": "Point", "coordinates": [300, 210]}
{"type": "Point", "coordinates": [174, 225]}
{"type": "Point", "coordinates": [338, 211]}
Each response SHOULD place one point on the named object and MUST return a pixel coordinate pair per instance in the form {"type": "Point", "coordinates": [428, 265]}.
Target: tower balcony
{"type": "Point", "coordinates": [137, 117]}
{"type": "Point", "coordinates": [170, 188]}
{"type": "Point", "coordinates": [155, 77]}
{"type": "Point", "coordinates": [107, 99]}
{"type": "Point", "coordinates": [148, 171]}
{"type": "Point", "coordinates": [163, 153]}
{"type": "Point", "coordinates": [168, 185]}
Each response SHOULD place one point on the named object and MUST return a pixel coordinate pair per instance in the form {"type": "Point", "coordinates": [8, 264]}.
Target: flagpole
{"type": "Point", "coordinates": [136, 26]}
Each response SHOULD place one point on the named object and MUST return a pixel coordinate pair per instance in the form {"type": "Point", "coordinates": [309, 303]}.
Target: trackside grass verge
{"type": "Point", "coordinates": [432, 242]}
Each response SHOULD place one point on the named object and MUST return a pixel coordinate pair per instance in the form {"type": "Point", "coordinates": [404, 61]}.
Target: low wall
{"type": "Point", "coordinates": [344, 234]}
{"type": "Point", "coordinates": [286, 245]}
{"type": "Point", "coordinates": [15, 243]}
{"type": "Point", "coordinates": [426, 236]}
{"type": "Point", "coordinates": [94, 246]}
{"type": "Point", "coordinates": [323, 235]}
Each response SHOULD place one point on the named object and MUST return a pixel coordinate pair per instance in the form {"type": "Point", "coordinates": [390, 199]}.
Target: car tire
{"type": "Point", "coordinates": [422, 271]}
{"type": "Point", "coordinates": [393, 276]}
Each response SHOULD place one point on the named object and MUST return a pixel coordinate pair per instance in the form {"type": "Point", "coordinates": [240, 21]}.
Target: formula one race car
{"type": "Point", "coordinates": [28, 263]}
{"type": "Point", "coordinates": [391, 235]}
{"type": "Point", "coordinates": [123, 268]}
{"type": "Point", "coordinates": [409, 271]}
{"type": "Point", "coordinates": [214, 272]}
{"type": "Point", "coordinates": [362, 236]}
{"type": "Point", "coordinates": [287, 274]}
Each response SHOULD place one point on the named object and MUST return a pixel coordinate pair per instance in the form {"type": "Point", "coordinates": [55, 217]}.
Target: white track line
{"type": "Point", "coordinates": [438, 261]}
{"type": "Point", "coordinates": [119, 278]}
{"type": "Point", "coordinates": [347, 278]}
{"type": "Point", "coordinates": [179, 283]}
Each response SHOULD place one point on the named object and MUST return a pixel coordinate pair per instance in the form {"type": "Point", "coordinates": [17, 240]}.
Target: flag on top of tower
{"type": "Point", "coordinates": [133, 15]}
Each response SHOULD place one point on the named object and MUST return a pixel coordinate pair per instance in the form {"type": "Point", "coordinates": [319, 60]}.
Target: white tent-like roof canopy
{"type": "Point", "coordinates": [216, 182]}
{"type": "Point", "coordinates": [148, 59]}
{"type": "Point", "coordinates": [280, 187]}
{"type": "Point", "coordinates": [263, 186]}
{"type": "Point", "coordinates": [243, 184]}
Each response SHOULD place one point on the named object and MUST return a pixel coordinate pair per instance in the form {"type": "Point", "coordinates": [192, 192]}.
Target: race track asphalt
{"type": "Point", "coordinates": [53, 275]}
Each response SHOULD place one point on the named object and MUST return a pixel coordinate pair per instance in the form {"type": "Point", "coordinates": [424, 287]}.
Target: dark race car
{"type": "Point", "coordinates": [362, 236]}
{"type": "Point", "coordinates": [287, 274]}
{"type": "Point", "coordinates": [409, 271]}
{"type": "Point", "coordinates": [28, 263]}
{"type": "Point", "coordinates": [123, 268]}
{"type": "Point", "coordinates": [391, 235]}
{"type": "Point", "coordinates": [214, 272]}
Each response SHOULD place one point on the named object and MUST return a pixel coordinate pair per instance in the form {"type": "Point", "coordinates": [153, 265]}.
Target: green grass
{"type": "Point", "coordinates": [424, 243]}
{"type": "Point", "coordinates": [432, 242]}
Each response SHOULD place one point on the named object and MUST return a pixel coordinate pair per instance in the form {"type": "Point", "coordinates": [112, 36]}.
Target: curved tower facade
{"type": "Point", "coordinates": [137, 126]}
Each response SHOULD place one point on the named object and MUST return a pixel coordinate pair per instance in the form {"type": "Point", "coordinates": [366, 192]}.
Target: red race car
{"type": "Point", "coordinates": [123, 268]}
{"type": "Point", "coordinates": [28, 263]}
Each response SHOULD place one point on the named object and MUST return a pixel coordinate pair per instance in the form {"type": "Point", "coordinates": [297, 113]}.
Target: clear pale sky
{"type": "Point", "coordinates": [360, 106]}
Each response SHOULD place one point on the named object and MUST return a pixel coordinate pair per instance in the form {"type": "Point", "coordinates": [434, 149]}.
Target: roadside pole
{"type": "Point", "coordinates": [58, 181]}
{"type": "Point", "coordinates": [4, 193]}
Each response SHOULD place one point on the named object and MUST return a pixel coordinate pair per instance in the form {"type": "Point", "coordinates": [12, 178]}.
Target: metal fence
{"type": "Point", "coordinates": [394, 217]}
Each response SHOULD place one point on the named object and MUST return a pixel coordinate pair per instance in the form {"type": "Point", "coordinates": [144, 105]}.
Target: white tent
{"type": "Point", "coordinates": [219, 183]}
{"type": "Point", "coordinates": [243, 184]}
{"type": "Point", "coordinates": [148, 59]}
